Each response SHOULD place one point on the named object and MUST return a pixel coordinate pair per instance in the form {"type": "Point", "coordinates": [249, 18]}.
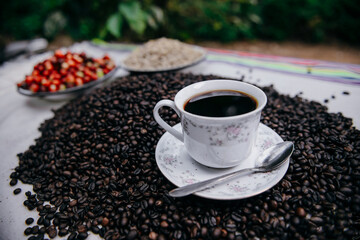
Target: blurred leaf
{"type": "Point", "coordinates": [135, 16]}
{"type": "Point", "coordinates": [138, 26]}
{"type": "Point", "coordinates": [151, 22]}
{"type": "Point", "coordinates": [217, 26]}
{"type": "Point", "coordinates": [54, 24]}
{"type": "Point", "coordinates": [255, 18]}
{"type": "Point", "coordinates": [103, 32]}
{"type": "Point", "coordinates": [130, 10]}
{"type": "Point", "coordinates": [98, 41]}
{"type": "Point", "coordinates": [158, 13]}
{"type": "Point", "coordinates": [113, 24]}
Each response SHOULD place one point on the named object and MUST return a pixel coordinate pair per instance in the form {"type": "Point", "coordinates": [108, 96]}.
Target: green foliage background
{"type": "Point", "coordinates": [188, 20]}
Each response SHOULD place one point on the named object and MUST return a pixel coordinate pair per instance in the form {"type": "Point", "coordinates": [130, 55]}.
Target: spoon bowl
{"type": "Point", "coordinates": [274, 156]}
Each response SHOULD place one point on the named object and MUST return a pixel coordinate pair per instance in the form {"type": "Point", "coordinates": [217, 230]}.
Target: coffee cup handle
{"type": "Point", "coordinates": [162, 123]}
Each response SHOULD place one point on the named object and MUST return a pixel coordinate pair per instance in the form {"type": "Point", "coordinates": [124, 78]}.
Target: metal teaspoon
{"type": "Point", "coordinates": [270, 159]}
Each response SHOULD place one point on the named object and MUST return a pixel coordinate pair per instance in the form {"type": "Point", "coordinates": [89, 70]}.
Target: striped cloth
{"type": "Point", "coordinates": [322, 70]}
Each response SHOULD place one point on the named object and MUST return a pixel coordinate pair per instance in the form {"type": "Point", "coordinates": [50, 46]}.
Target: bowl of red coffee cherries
{"type": "Point", "coordinates": [66, 73]}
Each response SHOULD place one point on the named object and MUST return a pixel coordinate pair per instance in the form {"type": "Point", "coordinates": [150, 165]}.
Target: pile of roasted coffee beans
{"type": "Point", "coordinates": [66, 70]}
{"type": "Point", "coordinates": [93, 170]}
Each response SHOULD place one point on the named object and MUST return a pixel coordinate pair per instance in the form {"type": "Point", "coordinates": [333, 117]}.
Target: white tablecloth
{"type": "Point", "coordinates": [21, 116]}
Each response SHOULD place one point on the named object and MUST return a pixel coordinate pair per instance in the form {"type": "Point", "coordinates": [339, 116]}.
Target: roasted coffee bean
{"type": "Point", "coordinates": [300, 212]}
{"type": "Point", "coordinates": [82, 235]}
{"type": "Point", "coordinates": [63, 232]}
{"type": "Point", "coordinates": [35, 230]}
{"type": "Point", "coordinates": [52, 232]}
{"type": "Point", "coordinates": [28, 231]}
{"type": "Point", "coordinates": [73, 203]}
{"type": "Point", "coordinates": [29, 221]}
{"type": "Point", "coordinates": [72, 236]}
{"type": "Point", "coordinates": [17, 191]}
{"type": "Point", "coordinates": [212, 221]}
{"type": "Point", "coordinates": [132, 234]}
{"type": "Point", "coordinates": [153, 235]}
{"type": "Point", "coordinates": [216, 233]}
{"type": "Point", "coordinates": [204, 232]}
{"type": "Point", "coordinates": [42, 230]}
{"type": "Point", "coordinates": [40, 221]}
{"type": "Point", "coordinates": [95, 163]}
{"type": "Point", "coordinates": [13, 181]}
{"type": "Point", "coordinates": [82, 228]}
{"type": "Point", "coordinates": [46, 222]}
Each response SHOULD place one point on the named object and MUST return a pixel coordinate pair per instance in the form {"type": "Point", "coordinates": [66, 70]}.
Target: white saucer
{"type": "Point", "coordinates": [180, 169]}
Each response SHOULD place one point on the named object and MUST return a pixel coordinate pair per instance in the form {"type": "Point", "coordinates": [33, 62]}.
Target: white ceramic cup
{"type": "Point", "coordinates": [218, 142]}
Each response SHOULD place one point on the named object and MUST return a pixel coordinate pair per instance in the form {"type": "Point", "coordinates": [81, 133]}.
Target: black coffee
{"type": "Point", "coordinates": [222, 103]}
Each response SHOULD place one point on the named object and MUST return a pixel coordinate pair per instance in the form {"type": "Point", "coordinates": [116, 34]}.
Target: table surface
{"type": "Point", "coordinates": [21, 116]}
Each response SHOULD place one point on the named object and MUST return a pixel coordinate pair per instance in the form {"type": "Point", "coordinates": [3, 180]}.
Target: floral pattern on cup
{"type": "Point", "coordinates": [218, 135]}
{"type": "Point", "coordinates": [230, 133]}
{"type": "Point", "coordinates": [175, 163]}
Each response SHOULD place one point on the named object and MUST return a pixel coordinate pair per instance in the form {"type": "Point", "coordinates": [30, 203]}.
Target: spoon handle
{"type": "Point", "coordinates": [196, 187]}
